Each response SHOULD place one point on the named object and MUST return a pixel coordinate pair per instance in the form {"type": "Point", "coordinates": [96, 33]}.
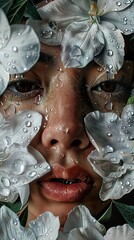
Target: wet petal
{"type": "Point", "coordinates": [5, 30]}
{"type": "Point", "coordinates": [124, 232]}
{"type": "Point", "coordinates": [47, 231]}
{"type": "Point", "coordinates": [19, 55]}
{"type": "Point", "coordinates": [47, 33]}
{"type": "Point", "coordinates": [113, 5]}
{"type": "Point", "coordinates": [4, 79]}
{"type": "Point", "coordinates": [87, 41]}
{"type": "Point", "coordinates": [123, 20]}
{"type": "Point", "coordinates": [62, 12]}
{"type": "Point", "coordinates": [112, 57]}
{"type": "Point", "coordinates": [11, 228]}
{"type": "Point", "coordinates": [127, 118]}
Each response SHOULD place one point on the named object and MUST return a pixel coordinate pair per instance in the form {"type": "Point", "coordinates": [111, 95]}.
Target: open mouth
{"type": "Point", "coordinates": [64, 181]}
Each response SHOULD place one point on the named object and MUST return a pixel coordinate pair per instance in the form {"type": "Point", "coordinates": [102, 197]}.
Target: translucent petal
{"type": "Point", "coordinates": [123, 20]}
{"type": "Point", "coordinates": [4, 30]}
{"type": "Point", "coordinates": [124, 232]}
{"type": "Point", "coordinates": [87, 41]}
{"type": "Point", "coordinates": [46, 231]}
{"type": "Point", "coordinates": [4, 78]}
{"type": "Point", "coordinates": [112, 56]}
{"type": "Point", "coordinates": [83, 5]}
{"type": "Point", "coordinates": [127, 118]}
{"type": "Point", "coordinates": [47, 33]}
{"type": "Point", "coordinates": [88, 233]}
{"type": "Point", "coordinates": [19, 55]}
{"type": "Point", "coordinates": [113, 5]}
{"type": "Point", "coordinates": [62, 12]}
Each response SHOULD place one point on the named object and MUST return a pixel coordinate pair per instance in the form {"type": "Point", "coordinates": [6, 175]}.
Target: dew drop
{"type": "Point", "coordinates": [118, 4]}
{"type": "Point", "coordinates": [18, 167]}
{"type": "Point", "coordinates": [110, 53]}
{"type": "Point", "coordinates": [46, 34]}
{"type": "Point", "coordinates": [6, 55]}
{"type": "Point", "coordinates": [28, 123]}
{"type": "Point", "coordinates": [8, 141]}
{"type": "Point", "coordinates": [29, 115]}
{"type": "Point", "coordinates": [25, 130]}
{"type": "Point", "coordinates": [15, 49]}
{"type": "Point", "coordinates": [109, 134]}
{"type": "Point", "coordinates": [5, 181]}
{"type": "Point", "coordinates": [108, 106]}
{"type": "Point", "coordinates": [32, 174]}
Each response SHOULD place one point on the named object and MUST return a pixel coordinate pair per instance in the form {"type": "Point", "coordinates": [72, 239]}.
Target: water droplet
{"type": "Point", "coordinates": [15, 49]}
{"type": "Point", "coordinates": [6, 55]}
{"type": "Point", "coordinates": [38, 99]}
{"type": "Point", "coordinates": [18, 167]}
{"type": "Point", "coordinates": [110, 52]}
{"type": "Point", "coordinates": [46, 34]}
{"type": "Point", "coordinates": [32, 174]}
{"type": "Point", "coordinates": [29, 115]}
{"type": "Point", "coordinates": [109, 105]}
{"type": "Point", "coordinates": [8, 141]}
{"type": "Point", "coordinates": [28, 123]}
{"type": "Point", "coordinates": [118, 4]}
{"type": "Point", "coordinates": [5, 181]}
{"type": "Point", "coordinates": [109, 134]}
{"type": "Point", "coordinates": [76, 51]}
{"type": "Point", "coordinates": [5, 192]}
{"type": "Point", "coordinates": [25, 130]}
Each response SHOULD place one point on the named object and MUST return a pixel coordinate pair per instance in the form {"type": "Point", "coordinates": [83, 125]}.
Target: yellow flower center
{"type": "Point", "coordinates": [93, 9]}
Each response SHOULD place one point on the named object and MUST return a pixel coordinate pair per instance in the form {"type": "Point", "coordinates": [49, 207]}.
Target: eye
{"type": "Point", "coordinates": [107, 86]}
{"type": "Point", "coordinates": [23, 89]}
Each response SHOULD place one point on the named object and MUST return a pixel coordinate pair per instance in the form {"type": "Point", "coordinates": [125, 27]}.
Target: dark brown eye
{"type": "Point", "coordinates": [23, 86]}
{"type": "Point", "coordinates": [107, 86]}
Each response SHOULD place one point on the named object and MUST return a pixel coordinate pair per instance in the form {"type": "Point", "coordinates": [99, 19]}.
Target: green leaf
{"type": "Point", "coordinates": [17, 10]}
{"type": "Point", "coordinates": [127, 211]}
{"type": "Point", "coordinates": [31, 11]}
{"type": "Point", "coordinates": [106, 215]}
{"type": "Point", "coordinates": [5, 5]}
{"type": "Point", "coordinates": [130, 100]}
{"type": "Point", "coordinates": [15, 207]}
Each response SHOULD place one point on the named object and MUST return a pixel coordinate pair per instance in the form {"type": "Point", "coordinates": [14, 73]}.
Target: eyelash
{"type": "Point", "coordinates": [34, 89]}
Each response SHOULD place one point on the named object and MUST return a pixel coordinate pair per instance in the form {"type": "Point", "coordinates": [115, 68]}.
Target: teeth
{"type": "Point", "coordinates": [64, 181]}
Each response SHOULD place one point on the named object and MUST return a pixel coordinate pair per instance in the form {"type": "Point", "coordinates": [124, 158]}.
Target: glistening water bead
{"type": "Point", "coordinates": [110, 53]}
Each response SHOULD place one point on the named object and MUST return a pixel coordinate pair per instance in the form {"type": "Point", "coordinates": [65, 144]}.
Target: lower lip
{"type": "Point", "coordinates": [65, 192]}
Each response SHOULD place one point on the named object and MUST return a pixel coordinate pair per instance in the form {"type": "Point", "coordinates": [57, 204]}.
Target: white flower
{"type": "Point", "coordinates": [87, 30]}
{"type": "Point", "coordinates": [113, 159]}
{"type": "Point", "coordinates": [19, 49]}
{"type": "Point", "coordinates": [124, 232]}
{"type": "Point", "coordinates": [45, 227]}
{"type": "Point", "coordinates": [20, 164]}
{"type": "Point", "coordinates": [81, 225]}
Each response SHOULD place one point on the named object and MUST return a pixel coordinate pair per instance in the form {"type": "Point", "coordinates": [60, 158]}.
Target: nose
{"type": "Point", "coordinates": [65, 127]}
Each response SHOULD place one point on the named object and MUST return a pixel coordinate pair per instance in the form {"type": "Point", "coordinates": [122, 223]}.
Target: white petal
{"type": "Point", "coordinates": [22, 54]}
{"type": "Point", "coordinates": [22, 127]}
{"type": "Point", "coordinates": [85, 234]}
{"type": "Point", "coordinates": [4, 30]}
{"type": "Point", "coordinates": [123, 20]}
{"type": "Point", "coordinates": [4, 79]}
{"type": "Point", "coordinates": [113, 5]}
{"type": "Point", "coordinates": [80, 43]}
{"type": "Point", "coordinates": [127, 118]}
{"type": "Point", "coordinates": [49, 34]}
{"type": "Point", "coordinates": [11, 228]}
{"type": "Point", "coordinates": [46, 226]}
{"type": "Point", "coordinates": [62, 12]}
{"type": "Point", "coordinates": [124, 232]}
{"type": "Point", "coordinates": [112, 56]}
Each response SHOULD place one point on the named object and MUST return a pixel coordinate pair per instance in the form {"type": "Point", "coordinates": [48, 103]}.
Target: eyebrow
{"type": "Point", "coordinates": [46, 58]}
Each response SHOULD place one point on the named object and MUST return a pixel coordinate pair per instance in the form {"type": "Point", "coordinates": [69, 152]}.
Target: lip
{"type": "Point", "coordinates": [66, 184]}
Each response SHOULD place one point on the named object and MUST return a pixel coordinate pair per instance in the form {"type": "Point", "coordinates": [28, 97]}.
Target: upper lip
{"type": "Point", "coordinates": [74, 174]}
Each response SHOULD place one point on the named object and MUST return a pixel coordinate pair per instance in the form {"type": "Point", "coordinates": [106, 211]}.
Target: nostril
{"type": "Point", "coordinates": [76, 143]}
{"type": "Point", "coordinates": [53, 141]}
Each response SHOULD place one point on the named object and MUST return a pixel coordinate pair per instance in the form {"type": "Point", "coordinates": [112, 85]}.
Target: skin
{"type": "Point", "coordinates": [64, 97]}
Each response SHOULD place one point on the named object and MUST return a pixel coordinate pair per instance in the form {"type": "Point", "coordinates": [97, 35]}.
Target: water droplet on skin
{"type": "Point", "coordinates": [47, 117]}
{"type": "Point", "coordinates": [10, 110]}
{"type": "Point", "coordinates": [108, 106]}
{"type": "Point", "coordinates": [38, 99]}
{"type": "Point", "coordinates": [99, 69]}
{"type": "Point", "coordinates": [18, 167]}
{"type": "Point", "coordinates": [59, 83]}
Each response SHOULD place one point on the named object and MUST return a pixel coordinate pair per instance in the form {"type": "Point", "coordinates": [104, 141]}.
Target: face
{"type": "Point", "coordinates": [64, 97]}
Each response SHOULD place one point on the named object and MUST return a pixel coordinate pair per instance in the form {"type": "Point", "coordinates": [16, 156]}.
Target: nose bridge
{"type": "Point", "coordinates": [65, 125]}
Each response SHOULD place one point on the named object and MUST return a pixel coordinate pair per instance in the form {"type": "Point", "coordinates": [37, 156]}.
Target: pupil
{"type": "Point", "coordinates": [23, 87]}
{"type": "Point", "coordinates": [108, 86]}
